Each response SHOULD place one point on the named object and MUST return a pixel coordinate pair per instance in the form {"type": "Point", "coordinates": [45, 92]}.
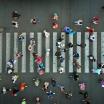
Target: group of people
{"type": "Point", "coordinates": [38, 60]}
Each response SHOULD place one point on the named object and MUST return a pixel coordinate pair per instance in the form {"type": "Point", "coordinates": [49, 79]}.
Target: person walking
{"type": "Point", "coordinates": [15, 15]}
{"type": "Point", "coordinates": [50, 94]}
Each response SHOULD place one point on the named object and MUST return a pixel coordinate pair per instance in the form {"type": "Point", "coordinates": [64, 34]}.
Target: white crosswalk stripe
{"type": "Point", "coordinates": [8, 37]}
{"type": "Point", "coordinates": [95, 50]}
{"type": "Point", "coordinates": [39, 43]}
{"type": "Point", "coordinates": [102, 48]}
{"type": "Point", "coordinates": [1, 52]}
{"type": "Point", "coordinates": [15, 50]}
{"type": "Point", "coordinates": [31, 56]}
{"type": "Point", "coordinates": [71, 54]}
{"type": "Point", "coordinates": [54, 51]}
{"type": "Point", "coordinates": [24, 53]}
{"type": "Point", "coordinates": [63, 53]}
{"type": "Point", "coordinates": [86, 61]}
{"type": "Point", "coordinates": [79, 51]}
{"type": "Point", "coordinates": [47, 56]}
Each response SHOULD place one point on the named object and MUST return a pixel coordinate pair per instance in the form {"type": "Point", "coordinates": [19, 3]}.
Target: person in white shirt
{"type": "Point", "coordinates": [14, 78]}
{"type": "Point", "coordinates": [46, 33]}
{"type": "Point", "coordinates": [61, 69]}
{"type": "Point", "coordinates": [78, 22]}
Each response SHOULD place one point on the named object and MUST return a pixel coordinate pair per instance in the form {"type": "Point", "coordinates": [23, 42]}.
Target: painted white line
{"type": "Point", "coordinates": [54, 51]}
{"type": "Point", "coordinates": [102, 48]}
{"type": "Point", "coordinates": [47, 57]}
{"type": "Point", "coordinates": [63, 53]}
{"type": "Point", "coordinates": [1, 52]}
{"type": "Point", "coordinates": [8, 36]}
{"type": "Point", "coordinates": [79, 50]}
{"type": "Point", "coordinates": [31, 56]}
{"type": "Point", "coordinates": [71, 55]}
{"type": "Point", "coordinates": [95, 50]}
{"type": "Point", "coordinates": [15, 51]}
{"type": "Point", "coordinates": [24, 53]}
{"type": "Point", "coordinates": [86, 52]}
{"type": "Point", "coordinates": [39, 43]}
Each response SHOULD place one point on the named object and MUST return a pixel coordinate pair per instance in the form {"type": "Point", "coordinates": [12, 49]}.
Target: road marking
{"type": "Point", "coordinates": [39, 41]}
{"type": "Point", "coordinates": [47, 58]}
{"type": "Point", "coordinates": [79, 50]}
{"type": "Point", "coordinates": [71, 55]}
{"type": "Point", "coordinates": [1, 52]}
{"type": "Point", "coordinates": [102, 48]}
{"type": "Point", "coordinates": [86, 52]}
{"type": "Point", "coordinates": [24, 53]}
{"type": "Point", "coordinates": [95, 50]}
{"type": "Point", "coordinates": [8, 36]}
{"type": "Point", "coordinates": [54, 51]}
{"type": "Point", "coordinates": [31, 56]}
{"type": "Point", "coordinates": [63, 53]}
{"type": "Point", "coordinates": [15, 50]}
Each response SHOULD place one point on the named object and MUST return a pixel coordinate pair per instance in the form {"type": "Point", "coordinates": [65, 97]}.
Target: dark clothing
{"type": "Point", "coordinates": [15, 14]}
{"type": "Point", "coordinates": [82, 45]}
{"type": "Point", "coordinates": [70, 45]}
{"type": "Point", "coordinates": [75, 75]}
{"type": "Point", "coordinates": [53, 82]}
{"type": "Point", "coordinates": [76, 55]}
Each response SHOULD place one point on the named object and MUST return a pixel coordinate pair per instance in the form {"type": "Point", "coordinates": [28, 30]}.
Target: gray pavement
{"type": "Point", "coordinates": [68, 10]}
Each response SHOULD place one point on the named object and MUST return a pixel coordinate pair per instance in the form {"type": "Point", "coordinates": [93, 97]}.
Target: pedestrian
{"type": "Point", "coordinates": [95, 20]}
{"type": "Point", "coordinates": [10, 70]}
{"type": "Point", "coordinates": [36, 81]}
{"type": "Point", "coordinates": [14, 91]}
{"type": "Point", "coordinates": [76, 55]}
{"type": "Point", "coordinates": [46, 33]}
{"type": "Point", "coordinates": [58, 53]}
{"type": "Point", "coordinates": [92, 37]}
{"type": "Point", "coordinates": [23, 101]}
{"type": "Point", "coordinates": [30, 48]}
{"type": "Point", "coordinates": [97, 71]}
{"type": "Point", "coordinates": [90, 30]}
{"type": "Point", "coordinates": [70, 45]}
{"type": "Point", "coordinates": [14, 78]}
{"type": "Point", "coordinates": [83, 45]}
{"type": "Point", "coordinates": [61, 70]}
{"type": "Point", "coordinates": [22, 86]}
{"type": "Point", "coordinates": [75, 75]}
{"type": "Point", "coordinates": [10, 64]}
{"type": "Point", "coordinates": [62, 89]}
{"type": "Point", "coordinates": [21, 37]}
{"type": "Point", "coordinates": [15, 15]}
{"type": "Point", "coordinates": [15, 24]}
{"type": "Point", "coordinates": [76, 64]}
{"type": "Point", "coordinates": [37, 100]}
{"type": "Point", "coordinates": [45, 86]}
{"type": "Point", "coordinates": [53, 82]}
{"type": "Point", "coordinates": [50, 94]}
{"type": "Point", "coordinates": [55, 16]}
{"type": "Point", "coordinates": [78, 22]}
{"type": "Point", "coordinates": [61, 59]}
{"type": "Point", "coordinates": [4, 90]}
{"type": "Point", "coordinates": [32, 42]}
{"type": "Point", "coordinates": [55, 25]}
{"type": "Point", "coordinates": [68, 94]}
{"type": "Point", "coordinates": [82, 86]}
{"type": "Point", "coordinates": [19, 54]}
{"type": "Point", "coordinates": [34, 20]}
{"type": "Point", "coordinates": [91, 58]}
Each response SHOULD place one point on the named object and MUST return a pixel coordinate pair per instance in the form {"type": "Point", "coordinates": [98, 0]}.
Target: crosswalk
{"type": "Point", "coordinates": [42, 45]}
